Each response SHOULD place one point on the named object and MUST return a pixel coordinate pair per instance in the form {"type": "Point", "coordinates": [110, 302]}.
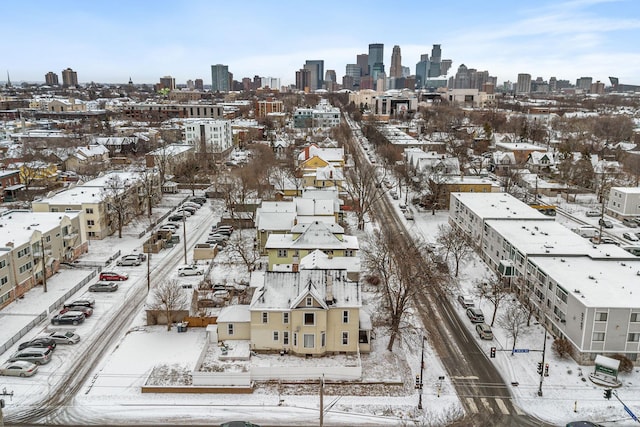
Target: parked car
{"type": "Point", "coordinates": [88, 311]}
{"type": "Point", "coordinates": [484, 331]}
{"type": "Point", "coordinates": [605, 223]}
{"type": "Point", "coordinates": [475, 315]}
{"type": "Point", "coordinates": [190, 270]}
{"type": "Point", "coordinates": [238, 424]}
{"type": "Point", "coordinates": [103, 287]}
{"type": "Point", "coordinates": [221, 293]}
{"type": "Point", "coordinates": [39, 356]}
{"type": "Point", "coordinates": [64, 337]}
{"type": "Point", "coordinates": [129, 261]}
{"type": "Point", "coordinates": [19, 368]}
{"type": "Point", "coordinates": [171, 225]}
{"type": "Point", "coordinates": [187, 211]}
{"type": "Point", "coordinates": [630, 237]}
{"type": "Point", "coordinates": [85, 302]}
{"type": "Point", "coordinates": [194, 205]}
{"type": "Point", "coordinates": [630, 223]}
{"type": "Point", "coordinates": [42, 342]}
{"type": "Point", "coordinates": [113, 275]}
{"type": "Point", "coordinates": [179, 216]}
{"type": "Point", "coordinates": [466, 301]}
{"type": "Point", "coordinates": [200, 200]}
{"type": "Point", "coordinates": [604, 241]}
{"type": "Point", "coordinates": [68, 318]}
{"type": "Point", "coordinates": [592, 213]}
{"type": "Point", "coordinates": [219, 236]}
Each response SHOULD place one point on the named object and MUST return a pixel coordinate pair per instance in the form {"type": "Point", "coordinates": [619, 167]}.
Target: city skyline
{"type": "Point", "coordinates": [114, 41]}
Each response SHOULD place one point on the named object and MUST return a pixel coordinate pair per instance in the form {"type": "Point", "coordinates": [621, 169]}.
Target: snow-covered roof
{"type": "Point", "coordinates": [171, 150]}
{"type": "Point", "coordinates": [596, 283]}
{"type": "Point", "coordinates": [318, 260]}
{"type": "Point", "coordinates": [18, 226]}
{"type": "Point", "coordinates": [335, 228]}
{"type": "Point", "coordinates": [234, 314]}
{"type": "Point", "coordinates": [306, 207]}
{"type": "Point", "coordinates": [499, 206]}
{"type": "Point", "coordinates": [274, 220]}
{"type": "Point", "coordinates": [318, 235]}
{"type": "Point", "coordinates": [281, 289]}
{"type": "Point", "coordinates": [534, 237]}
{"type": "Point", "coordinates": [519, 146]}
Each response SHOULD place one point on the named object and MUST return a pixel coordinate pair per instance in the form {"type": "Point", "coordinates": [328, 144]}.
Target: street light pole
{"type": "Point", "coordinates": [184, 234]}
{"type": "Point", "coordinates": [148, 271]}
{"type": "Point", "coordinates": [544, 348]}
{"type": "Point", "coordinates": [421, 374]}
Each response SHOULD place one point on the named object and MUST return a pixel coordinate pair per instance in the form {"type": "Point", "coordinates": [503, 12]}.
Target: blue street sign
{"type": "Point", "coordinates": [521, 350]}
{"type": "Point", "coordinates": [631, 414]}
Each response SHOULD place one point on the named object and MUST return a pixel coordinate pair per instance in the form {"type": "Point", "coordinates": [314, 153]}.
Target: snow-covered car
{"type": "Point", "coordinates": [19, 368]}
{"type": "Point", "coordinates": [103, 287]}
{"type": "Point", "coordinates": [129, 261]}
{"type": "Point", "coordinates": [630, 237]}
{"type": "Point", "coordinates": [64, 337]}
{"type": "Point", "coordinates": [190, 270]}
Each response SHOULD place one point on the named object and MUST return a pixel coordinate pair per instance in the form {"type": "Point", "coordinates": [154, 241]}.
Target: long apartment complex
{"type": "Point", "coordinates": [579, 291]}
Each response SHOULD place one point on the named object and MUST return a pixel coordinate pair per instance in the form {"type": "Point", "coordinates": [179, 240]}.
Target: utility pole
{"type": "Point", "coordinates": [148, 271]}
{"type": "Point", "coordinates": [544, 348]}
{"type": "Point", "coordinates": [322, 401]}
{"type": "Point", "coordinates": [421, 374]}
{"type": "Point", "coordinates": [44, 265]}
{"type": "Point", "coordinates": [184, 234]}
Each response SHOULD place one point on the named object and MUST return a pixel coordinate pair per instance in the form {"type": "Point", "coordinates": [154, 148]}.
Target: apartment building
{"type": "Point", "coordinates": [213, 137]}
{"type": "Point", "coordinates": [35, 242]}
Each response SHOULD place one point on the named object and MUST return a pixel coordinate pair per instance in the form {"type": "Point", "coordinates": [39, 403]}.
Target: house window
{"type": "Point", "coordinates": [91, 222]}
{"type": "Point", "coordinates": [285, 338]}
{"type": "Point", "coordinates": [309, 340]}
{"type": "Point", "coordinates": [282, 253]}
{"type": "Point", "coordinates": [635, 317]}
{"type": "Point", "coordinates": [25, 267]}
{"type": "Point", "coordinates": [3, 263]}
{"type": "Point", "coordinates": [285, 318]}
{"type": "Point", "coordinates": [89, 210]}
{"type": "Point", "coordinates": [348, 252]}
{"type": "Point", "coordinates": [92, 234]}
{"type": "Point", "coordinates": [276, 336]}
{"type": "Point", "coordinates": [634, 337]}
{"type": "Point", "coordinates": [345, 316]}
{"type": "Point", "coordinates": [230, 329]}
{"type": "Point", "coordinates": [598, 336]}
{"type": "Point", "coordinates": [601, 317]}
{"type": "Point", "coordinates": [345, 338]}
{"type": "Point", "coordinates": [4, 280]}
{"type": "Point", "coordinates": [309, 319]}
{"type": "Point", "coordinates": [323, 339]}
{"type": "Point", "coordinates": [265, 317]}
{"type": "Point", "coordinates": [47, 239]}
{"type": "Point", "coordinates": [309, 302]}
{"type": "Point", "coordinates": [23, 252]}
{"type": "Point", "coordinates": [295, 339]}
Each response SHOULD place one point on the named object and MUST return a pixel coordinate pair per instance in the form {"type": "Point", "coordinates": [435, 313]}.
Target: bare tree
{"type": "Point", "coordinates": [149, 188]}
{"type": "Point", "coordinates": [117, 198]}
{"type": "Point", "coordinates": [364, 189]}
{"type": "Point", "coordinates": [455, 242]}
{"type": "Point", "coordinates": [169, 296]}
{"type": "Point", "coordinates": [514, 321]}
{"type": "Point", "coordinates": [495, 292]}
{"type": "Point", "coordinates": [244, 247]}
{"type": "Point", "coordinates": [400, 278]}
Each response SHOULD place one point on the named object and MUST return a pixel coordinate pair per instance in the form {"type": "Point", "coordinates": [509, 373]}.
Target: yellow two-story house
{"type": "Point", "coordinates": [286, 250]}
{"type": "Point", "coordinates": [307, 313]}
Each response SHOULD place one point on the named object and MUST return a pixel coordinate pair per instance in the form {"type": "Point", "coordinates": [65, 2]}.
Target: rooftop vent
{"type": "Point", "coordinates": [591, 277]}
{"type": "Point", "coordinates": [562, 260]}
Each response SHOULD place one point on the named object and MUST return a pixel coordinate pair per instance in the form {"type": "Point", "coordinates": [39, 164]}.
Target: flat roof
{"type": "Point", "coordinates": [534, 237]}
{"type": "Point", "coordinates": [18, 226]}
{"type": "Point", "coordinates": [498, 206]}
{"type": "Point", "coordinates": [596, 283]}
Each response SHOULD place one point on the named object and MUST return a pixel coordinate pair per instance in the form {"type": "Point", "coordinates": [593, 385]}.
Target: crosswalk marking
{"type": "Point", "coordinates": [486, 404]}
{"type": "Point", "coordinates": [502, 406]}
{"type": "Point", "coordinates": [472, 405]}
{"type": "Point", "coordinates": [518, 411]}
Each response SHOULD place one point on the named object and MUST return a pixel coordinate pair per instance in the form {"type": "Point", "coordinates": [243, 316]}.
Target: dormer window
{"type": "Point", "coordinates": [309, 302]}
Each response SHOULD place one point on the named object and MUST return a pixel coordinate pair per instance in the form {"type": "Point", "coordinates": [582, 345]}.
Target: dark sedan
{"type": "Point", "coordinates": [40, 342]}
{"type": "Point", "coordinates": [68, 318]}
{"type": "Point", "coordinates": [103, 287]}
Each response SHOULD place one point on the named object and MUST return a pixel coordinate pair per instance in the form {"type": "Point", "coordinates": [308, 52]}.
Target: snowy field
{"type": "Point", "coordinates": [113, 393]}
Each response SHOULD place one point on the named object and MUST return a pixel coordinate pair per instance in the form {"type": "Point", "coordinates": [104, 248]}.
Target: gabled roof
{"type": "Point", "coordinates": [280, 291]}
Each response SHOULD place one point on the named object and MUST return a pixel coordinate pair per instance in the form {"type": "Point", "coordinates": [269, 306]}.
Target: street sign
{"type": "Point", "coordinates": [521, 350]}
{"type": "Point", "coordinates": [631, 414]}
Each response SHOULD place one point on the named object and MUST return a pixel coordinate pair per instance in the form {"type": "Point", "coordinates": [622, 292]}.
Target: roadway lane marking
{"type": "Point", "coordinates": [502, 406]}
{"type": "Point", "coordinates": [518, 411]}
{"type": "Point", "coordinates": [472, 377]}
{"type": "Point", "coordinates": [486, 404]}
{"type": "Point", "coordinates": [472, 405]}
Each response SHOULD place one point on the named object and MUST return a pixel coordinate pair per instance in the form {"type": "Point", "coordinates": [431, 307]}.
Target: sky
{"type": "Point", "coordinates": [110, 41]}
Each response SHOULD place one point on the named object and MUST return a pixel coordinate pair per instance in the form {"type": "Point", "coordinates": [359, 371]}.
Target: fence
{"type": "Point", "coordinates": [40, 317]}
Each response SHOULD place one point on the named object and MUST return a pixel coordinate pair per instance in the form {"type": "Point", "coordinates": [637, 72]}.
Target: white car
{"type": "Point", "coordinates": [190, 270]}
{"type": "Point", "coordinates": [63, 337]}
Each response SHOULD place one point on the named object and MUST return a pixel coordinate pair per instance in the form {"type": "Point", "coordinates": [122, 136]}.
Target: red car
{"type": "Point", "coordinates": [112, 275]}
{"type": "Point", "coordinates": [88, 311]}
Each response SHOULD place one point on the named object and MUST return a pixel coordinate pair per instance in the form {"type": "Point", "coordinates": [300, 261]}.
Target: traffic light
{"type": "Point", "coordinates": [607, 393]}
{"type": "Point", "coordinates": [492, 354]}
{"type": "Point", "coordinates": [539, 367]}
{"type": "Point", "coordinates": [418, 385]}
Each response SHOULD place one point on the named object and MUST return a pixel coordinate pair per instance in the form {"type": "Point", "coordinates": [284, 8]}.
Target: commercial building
{"type": "Point", "coordinates": [523, 86]}
{"type": "Point", "coordinates": [220, 78]}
